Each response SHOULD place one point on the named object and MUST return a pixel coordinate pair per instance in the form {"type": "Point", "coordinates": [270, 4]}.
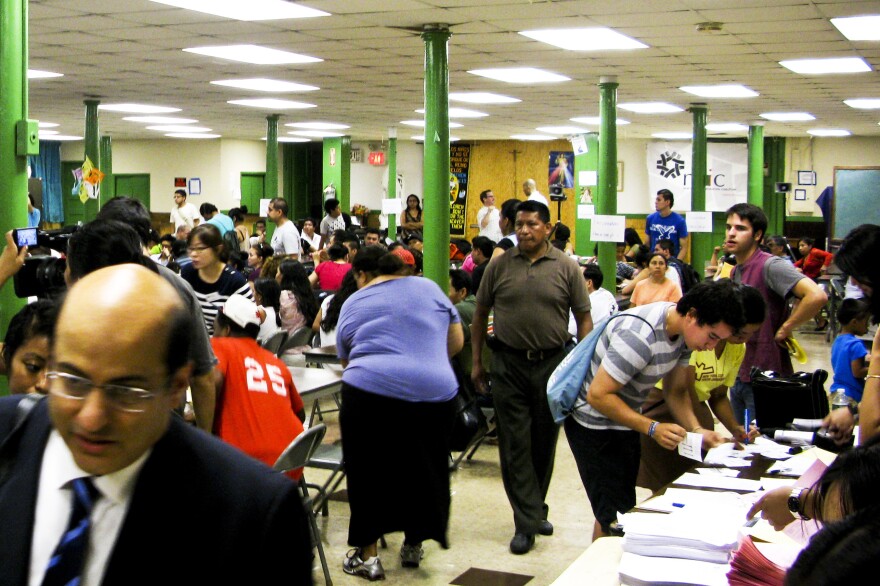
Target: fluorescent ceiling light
{"type": "Point", "coordinates": [272, 104]}
{"type": "Point", "coordinates": [48, 132]}
{"type": "Point", "coordinates": [520, 75]}
{"type": "Point", "coordinates": [726, 127]}
{"type": "Point", "coordinates": [421, 138]}
{"type": "Point", "coordinates": [788, 116]}
{"type": "Point", "coordinates": [596, 121]}
{"type": "Point", "coordinates": [179, 128]}
{"type": "Point", "coordinates": [532, 137]}
{"type": "Point", "coordinates": [317, 133]}
{"type": "Point", "coordinates": [63, 137]}
{"type": "Point", "coordinates": [137, 108]}
{"type": "Point", "coordinates": [673, 135]}
{"type": "Point", "coordinates": [250, 10]}
{"type": "Point", "coordinates": [829, 132]}
{"type": "Point", "coordinates": [481, 98]}
{"type": "Point", "coordinates": [650, 108]}
{"type": "Point", "coordinates": [830, 65]}
{"type": "Point", "coordinates": [561, 129]}
{"type": "Point", "coordinates": [585, 39]}
{"type": "Point", "coordinates": [253, 54]}
{"type": "Point", "coordinates": [720, 91]}
{"type": "Point", "coordinates": [38, 74]}
{"type": "Point", "coordinates": [290, 139]}
{"type": "Point", "coordinates": [191, 135]}
{"type": "Point", "coordinates": [42, 124]}
{"type": "Point", "coordinates": [459, 113]}
{"type": "Point", "coordinates": [859, 28]}
{"type": "Point", "coordinates": [318, 125]}
{"type": "Point", "coordinates": [160, 120]}
{"type": "Point", "coordinates": [266, 85]}
{"type": "Point", "coordinates": [863, 103]}
{"type": "Point", "coordinates": [421, 123]}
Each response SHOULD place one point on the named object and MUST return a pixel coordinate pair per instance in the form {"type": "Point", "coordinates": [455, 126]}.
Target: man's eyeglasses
{"type": "Point", "coordinates": [121, 397]}
{"type": "Point", "coordinates": [192, 249]}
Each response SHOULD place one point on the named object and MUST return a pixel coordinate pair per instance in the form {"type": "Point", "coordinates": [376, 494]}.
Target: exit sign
{"type": "Point", "coordinates": [376, 158]}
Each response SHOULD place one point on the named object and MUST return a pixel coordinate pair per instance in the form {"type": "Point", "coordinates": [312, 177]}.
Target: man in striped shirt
{"type": "Point", "coordinates": [636, 350]}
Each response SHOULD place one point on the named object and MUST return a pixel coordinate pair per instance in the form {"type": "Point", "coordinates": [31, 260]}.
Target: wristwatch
{"type": "Point", "coordinates": [794, 503]}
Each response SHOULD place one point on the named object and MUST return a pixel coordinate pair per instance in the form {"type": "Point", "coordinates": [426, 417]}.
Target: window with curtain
{"type": "Point", "coordinates": [47, 166]}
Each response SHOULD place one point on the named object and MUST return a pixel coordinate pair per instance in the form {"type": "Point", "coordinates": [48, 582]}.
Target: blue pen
{"type": "Point", "coordinates": [746, 417]}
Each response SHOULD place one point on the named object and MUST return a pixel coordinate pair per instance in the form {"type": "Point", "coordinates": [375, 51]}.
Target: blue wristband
{"type": "Point", "coordinates": [652, 429]}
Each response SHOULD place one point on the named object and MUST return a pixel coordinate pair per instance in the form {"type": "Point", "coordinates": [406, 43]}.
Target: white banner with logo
{"type": "Point", "coordinates": [669, 167]}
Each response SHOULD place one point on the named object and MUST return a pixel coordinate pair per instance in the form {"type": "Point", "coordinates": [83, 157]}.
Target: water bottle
{"type": "Point", "coordinates": [839, 400]}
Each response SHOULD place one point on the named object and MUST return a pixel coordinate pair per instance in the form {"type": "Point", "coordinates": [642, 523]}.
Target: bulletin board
{"type": "Point", "coordinates": [856, 198]}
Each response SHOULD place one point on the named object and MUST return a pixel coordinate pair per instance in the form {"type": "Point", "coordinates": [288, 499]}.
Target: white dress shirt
{"type": "Point", "coordinates": [55, 500]}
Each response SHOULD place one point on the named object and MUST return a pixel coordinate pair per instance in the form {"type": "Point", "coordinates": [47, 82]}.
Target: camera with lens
{"type": "Point", "coordinates": [556, 193]}
{"type": "Point", "coordinates": [42, 275]}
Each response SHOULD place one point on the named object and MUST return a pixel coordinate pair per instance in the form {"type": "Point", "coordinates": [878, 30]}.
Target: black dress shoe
{"type": "Point", "coordinates": [522, 543]}
{"type": "Point", "coordinates": [545, 528]}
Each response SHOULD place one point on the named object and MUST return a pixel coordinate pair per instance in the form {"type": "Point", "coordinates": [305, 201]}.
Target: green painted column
{"type": "Point", "coordinates": [701, 242]}
{"type": "Point", "coordinates": [774, 203]}
{"type": "Point", "coordinates": [756, 164]}
{"type": "Point", "coordinates": [108, 185]}
{"type": "Point", "coordinates": [588, 161]}
{"type": "Point", "coordinates": [436, 161]}
{"type": "Point", "coordinates": [606, 191]}
{"type": "Point", "coordinates": [337, 168]}
{"type": "Point", "coordinates": [392, 179]}
{"type": "Point", "coordinates": [92, 136]}
{"type": "Point", "coordinates": [13, 108]}
{"type": "Point", "coordinates": [270, 183]}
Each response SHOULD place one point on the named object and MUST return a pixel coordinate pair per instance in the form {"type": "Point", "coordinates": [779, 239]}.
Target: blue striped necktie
{"type": "Point", "coordinates": [66, 564]}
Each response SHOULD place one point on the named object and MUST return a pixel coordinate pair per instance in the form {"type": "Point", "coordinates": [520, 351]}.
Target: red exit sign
{"type": "Point", "coordinates": [376, 158]}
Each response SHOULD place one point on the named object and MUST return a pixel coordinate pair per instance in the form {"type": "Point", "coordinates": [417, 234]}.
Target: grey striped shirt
{"type": "Point", "coordinates": [636, 357]}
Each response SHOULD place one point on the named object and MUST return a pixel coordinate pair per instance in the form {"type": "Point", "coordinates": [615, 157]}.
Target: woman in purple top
{"type": "Point", "coordinates": [397, 393]}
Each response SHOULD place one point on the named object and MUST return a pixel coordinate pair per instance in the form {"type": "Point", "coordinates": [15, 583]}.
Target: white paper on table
{"type": "Point", "coordinates": [764, 531]}
{"type": "Point", "coordinates": [672, 570]}
{"type": "Point", "coordinates": [692, 446]}
{"type": "Point", "coordinates": [718, 472]}
{"type": "Point", "coordinates": [588, 178]}
{"type": "Point", "coordinates": [392, 206]}
{"type": "Point", "coordinates": [797, 465]}
{"type": "Point", "coordinates": [768, 483]}
{"type": "Point", "coordinates": [607, 228]}
{"type": "Point", "coordinates": [691, 479]}
{"type": "Point", "coordinates": [728, 456]}
{"type": "Point", "coordinates": [698, 221]}
{"type": "Point", "coordinates": [674, 499]}
{"type": "Point", "coordinates": [586, 211]}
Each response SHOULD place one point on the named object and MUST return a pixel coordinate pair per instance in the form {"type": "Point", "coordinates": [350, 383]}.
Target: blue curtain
{"type": "Point", "coordinates": [47, 166]}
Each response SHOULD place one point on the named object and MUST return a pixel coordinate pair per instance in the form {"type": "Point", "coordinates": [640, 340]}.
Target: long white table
{"type": "Point", "coordinates": [597, 566]}
{"type": "Point", "coordinates": [315, 383]}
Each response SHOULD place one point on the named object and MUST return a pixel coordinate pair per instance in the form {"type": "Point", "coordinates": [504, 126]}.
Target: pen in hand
{"type": "Point", "coordinates": [746, 417]}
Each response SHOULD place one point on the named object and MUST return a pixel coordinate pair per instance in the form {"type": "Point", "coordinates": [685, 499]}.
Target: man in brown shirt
{"type": "Point", "coordinates": [531, 288]}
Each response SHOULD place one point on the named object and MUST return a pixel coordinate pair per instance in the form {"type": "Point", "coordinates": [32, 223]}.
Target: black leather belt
{"type": "Point", "coordinates": [529, 355]}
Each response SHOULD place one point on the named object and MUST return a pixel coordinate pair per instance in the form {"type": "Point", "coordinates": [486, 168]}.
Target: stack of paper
{"type": "Point", "coordinates": [637, 570]}
{"type": "Point", "coordinates": [683, 535]}
{"type": "Point", "coordinates": [752, 564]}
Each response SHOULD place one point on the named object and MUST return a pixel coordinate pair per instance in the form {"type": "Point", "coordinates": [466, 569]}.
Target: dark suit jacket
{"type": "Point", "coordinates": [201, 513]}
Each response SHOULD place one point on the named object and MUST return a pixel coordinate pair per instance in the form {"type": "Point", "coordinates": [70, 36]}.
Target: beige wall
{"type": "Point", "coordinates": [368, 181]}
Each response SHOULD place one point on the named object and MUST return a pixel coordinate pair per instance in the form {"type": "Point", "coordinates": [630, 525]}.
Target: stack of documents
{"type": "Point", "coordinates": [637, 570]}
{"type": "Point", "coordinates": [682, 534]}
{"type": "Point", "coordinates": [764, 564]}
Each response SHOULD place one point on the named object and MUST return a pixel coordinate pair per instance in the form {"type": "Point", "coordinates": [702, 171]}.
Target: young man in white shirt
{"type": "Point", "coordinates": [182, 213]}
{"type": "Point", "coordinates": [285, 239]}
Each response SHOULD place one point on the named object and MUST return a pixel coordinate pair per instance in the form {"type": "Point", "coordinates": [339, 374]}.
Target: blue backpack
{"type": "Point", "coordinates": [564, 385]}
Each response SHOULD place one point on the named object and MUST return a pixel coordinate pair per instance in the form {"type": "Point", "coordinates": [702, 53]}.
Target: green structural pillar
{"type": "Point", "coordinates": [588, 163]}
{"type": "Point", "coordinates": [108, 185]}
{"type": "Point", "coordinates": [606, 191]}
{"type": "Point", "coordinates": [774, 203]}
{"type": "Point", "coordinates": [270, 185]}
{"type": "Point", "coordinates": [13, 109]}
{"type": "Point", "coordinates": [436, 164]}
{"type": "Point", "coordinates": [700, 242]}
{"type": "Point", "coordinates": [93, 151]}
{"type": "Point", "coordinates": [337, 168]}
{"type": "Point", "coordinates": [756, 164]}
{"type": "Point", "coordinates": [392, 179]}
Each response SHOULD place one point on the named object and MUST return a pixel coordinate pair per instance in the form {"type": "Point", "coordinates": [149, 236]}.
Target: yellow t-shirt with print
{"type": "Point", "coordinates": [713, 371]}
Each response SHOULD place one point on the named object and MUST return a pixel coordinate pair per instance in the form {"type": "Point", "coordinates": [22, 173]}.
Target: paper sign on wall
{"type": "Point", "coordinates": [579, 144]}
{"type": "Point", "coordinates": [699, 221]}
{"type": "Point", "coordinates": [264, 208]}
{"type": "Point", "coordinates": [607, 228]}
{"type": "Point", "coordinates": [586, 211]}
{"type": "Point", "coordinates": [392, 206]}
{"type": "Point", "coordinates": [588, 178]}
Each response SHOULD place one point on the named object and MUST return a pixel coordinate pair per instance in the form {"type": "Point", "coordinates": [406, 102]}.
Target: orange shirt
{"type": "Point", "coordinates": [648, 291]}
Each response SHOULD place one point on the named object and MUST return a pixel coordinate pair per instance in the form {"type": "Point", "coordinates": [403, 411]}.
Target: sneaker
{"type": "Point", "coordinates": [411, 555]}
{"type": "Point", "coordinates": [355, 565]}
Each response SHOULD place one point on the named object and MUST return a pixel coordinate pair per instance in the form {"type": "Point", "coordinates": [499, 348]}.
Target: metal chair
{"type": "Point", "coordinates": [297, 455]}
{"type": "Point", "coordinates": [327, 457]}
{"type": "Point", "coordinates": [274, 343]}
{"type": "Point", "coordinates": [299, 337]}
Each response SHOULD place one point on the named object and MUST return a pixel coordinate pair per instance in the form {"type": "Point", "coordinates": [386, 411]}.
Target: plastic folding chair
{"type": "Point", "coordinates": [297, 455]}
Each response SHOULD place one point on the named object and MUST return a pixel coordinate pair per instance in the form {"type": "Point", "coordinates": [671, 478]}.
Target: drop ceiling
{"type": "Point", "coordinates": [372, 72]}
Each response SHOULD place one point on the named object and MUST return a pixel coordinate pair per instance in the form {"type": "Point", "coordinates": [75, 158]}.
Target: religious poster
{"type": "Point", "coordinates": [459, 162]}
{"type": "Point", "coordinates": [561, 169]}
{"type": "Point", "coordinates": [669, 167]}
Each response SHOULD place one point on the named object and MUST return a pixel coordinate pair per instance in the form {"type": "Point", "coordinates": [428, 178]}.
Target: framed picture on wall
{"type": "Point", "coordinates": [800, 195]}
{"type": "Point", "coordinates": [806, 178]}
{"type": "Point", "coordinates": [619, 175]}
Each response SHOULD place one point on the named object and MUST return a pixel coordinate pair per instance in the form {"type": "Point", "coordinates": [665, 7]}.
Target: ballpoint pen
{"type": "Point", "coordinates": [746, 418]}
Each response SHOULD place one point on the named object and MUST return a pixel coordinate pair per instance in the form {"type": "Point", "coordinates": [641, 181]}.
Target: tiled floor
{"type": "Point", "coordinates": [482, 525]}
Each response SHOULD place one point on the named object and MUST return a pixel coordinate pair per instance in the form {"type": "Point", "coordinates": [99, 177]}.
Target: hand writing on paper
{"type": "Point", "coordinates": [773, 506]}
{"type": "Point", "coordinates": [669, 435]}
